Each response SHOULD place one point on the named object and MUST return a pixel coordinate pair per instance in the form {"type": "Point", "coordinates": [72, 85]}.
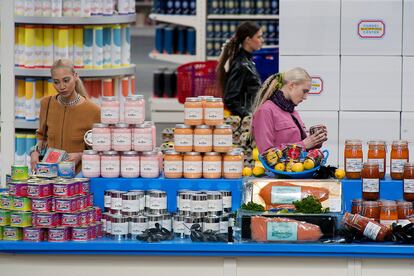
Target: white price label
{"type": "Point", "coordinates": [233, 167]}
{"type": "Point", "coordinates": [353, 164]}
{"type": "Point", "coordinates": [183, 140]}
{"type": "Point", "coordinates": [193, 113]}
{"type": "Point", "coordinates": [203, 140]}
{"type": "Point", "coordinates": [193, 167]}
{"type": "Point", "coordinates": [370, 185]}
{"type": "Point", "coordinates": [173, 166]}
{"type": "Point", "coordinates": [397, 165]}
{"type": "Point", "coordinates": [223, 140]}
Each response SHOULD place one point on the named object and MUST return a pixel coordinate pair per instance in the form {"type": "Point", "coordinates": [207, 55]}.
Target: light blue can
{"type": "Point", "coordinates": [169, 40]}
{"type": "Point", "coordinates": [159, 38]}
{"type": "Point", "coordinates": [98, 47]}
{"type": "Point", "coordinates": [116, 46]}
{"type": "Point", "coordinates": [20, 149]}
{"type": "Point", "coordinates": [107, 59]}
{"type": "Point", "coordinates": [88, 47]}
{"type": "Point", "coordinates": [66, 169]}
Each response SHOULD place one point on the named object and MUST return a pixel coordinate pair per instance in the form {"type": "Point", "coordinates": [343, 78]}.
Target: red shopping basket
{"type": "Point", "coordinates": [197, 79]}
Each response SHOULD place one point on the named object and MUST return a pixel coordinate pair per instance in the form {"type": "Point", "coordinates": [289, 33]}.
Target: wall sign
{"type": "Point", "coordinates": [371, 29]}
{"type": "Point", "coordinates": [316, 86]}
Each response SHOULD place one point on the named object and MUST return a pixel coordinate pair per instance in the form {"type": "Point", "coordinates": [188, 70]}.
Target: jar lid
{"type": "Point", "coordinates": [388, 203]}
{"type": "Point", "coordinates": [408, 165]}
{"type": "Point", "coordinates": [130, 153]}
{"type": "Point", "coordinates": [135, 97]}
{"type": "Point", "coordinates": [223, 127]}
{"type": "Point", "coordinates": [377, 143]}
{"type": "Point", "coordinates": [370, 203]}
{"type": "Point", "coordinates": [154, 217]}
{"type": "Point", "coordinates": [371, 163]}
{"type": "Point", "coordinates": [404, 204]}
{"type": "Point", "coordinates": [225, 193]}
{"type": "Point", "coordinates": [150, 123]}
{"type": "Point", "coordinates": [192, 99]}
{"type": "Point", "coordinates": [109, 98]}
{"type": "Point", "coordinates": [354, 142]}
{"type": "Point", "coordinates": [139, 219]}
{"type": "Point", "coordinates": [143, 125]}
{"type": "Point", "coordinates": [182, 126]}
{"type": "Point", "coordinates": [212, 154]}
{"type": "Point", "coordinates": [357, 200]}
{"type": "Point", "coordinates": [149, 153]}
{"type": "Point", "coordinates": [205, 97]}
{"type": "Point", "coordinates": [100, 125]}
{"type": "Point", "coordinates": [172, 152]}
{"type": "Point", "coordinates": [400, 143]}
{"type": "Point", "coordinates": [203, 127]}
{"type": "Point", "coordinates": [212, 219]}
{"type": "Point", "coordinates": [110, 153]}
{"type": "Point", "coordinates": [214, 100]}
{"type": "Point", "coordinates": [121, 125]}
{"type": "Point", "coordinates": [234, 152]}
{"type": "Point", "coordinates": [90, 152]}
{"type": "Point", "coordinates": [192, 153]}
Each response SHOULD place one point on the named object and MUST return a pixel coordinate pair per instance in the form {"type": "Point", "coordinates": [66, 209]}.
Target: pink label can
{"type": "Point", "coordinates": [93, 232]}
{"type": "Point", "coordinates": [42, 205]}
{"type": "Point", "coordinates": [85, 185]}
{"type": "Point", "coordinates": [46, 220]}
{"type": "Point", "coordinates": [84, 217]}
{"type": "Point", "coordinates": [98, 213]}
{"type": "Point", "coordinates": [64, 189]}
{"type": "Point", "coordinates": [17, 188]}
{"type": "Point", "coordinates": [59, 234]}
{"type": "Point", "coordinates": [66, 205]}
{"type": "Point", "coordinates": [81, 233]}
{"type": "Point", "coordinates": [39, 189]}
{"type": "Point", "coordinates": [92, 216]}
{"type": "Point", "coordinates": [33, 234]}
{"type": "Point", "coordinates": [89, 202]}
{"type": "Point", "coordinates": [71, 219]}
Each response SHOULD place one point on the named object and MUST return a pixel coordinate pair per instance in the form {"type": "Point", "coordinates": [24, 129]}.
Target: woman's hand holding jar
{"type": "Point", "coordinates": [315, 139]}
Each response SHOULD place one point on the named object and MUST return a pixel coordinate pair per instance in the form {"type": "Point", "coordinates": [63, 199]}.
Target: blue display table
{"type": "Point", "coordinates": [351, 189]}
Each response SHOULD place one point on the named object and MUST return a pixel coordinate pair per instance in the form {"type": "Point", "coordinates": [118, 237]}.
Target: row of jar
{"type": "Point", "coordinates": [121, 228]}
{"type": "Point", "coordinates": [386, 212]}
{"type": "Point", "coordinates": [133, 109]}
{"type": "Point", "coordinates": [205, 110]}
{"type": "Point", "coordinates": [124, 137]}
{"type": "Point", "coordinates": [377, 152]}
{"type": "Point", "coordinates": [203, 138]}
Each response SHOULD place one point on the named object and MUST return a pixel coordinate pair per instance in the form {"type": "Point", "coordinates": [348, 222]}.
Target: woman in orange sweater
{"type": "Point", "coordinates": [64, 118]}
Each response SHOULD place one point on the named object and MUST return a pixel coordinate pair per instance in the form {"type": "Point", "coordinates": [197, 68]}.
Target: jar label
{"type": "Point", "coordinates": [108, 166]}
{"type": "Point", "coordinates": [178, 227]}
{"type": "Point", "coordinates": [214, 113]}
{"type": "Point", "coordinates": [129, 167]}
{"type": "Point", "coordinates": [130, 205]}
{"type": "Point", "coordinates": [166, 224]}
{"type": "Point", "coordinates": [233, 167]}
{"type": "Point", "coordinates": [109, 227]}
{"type": "Point", "coordinates": [121, 139]}
{"type": "Point", "coordinates": [187, 227]}
{"type": "Point", "coordinates": [91, 166]}
{"type": "Point", "coordinates": [199, 206]}
{"type": "Point", "coordinates": [184, 204]}
{"type": "Point", "coordinates": [380, 162]}
{"type": "Point", "coordinates": [120, 228]}
{"type": "Point", "coordinates": [211, 226]}
{"type": "Point", "coordinates": [353, 164]}
{"type": "Point", "coordinates": [142, 139]}
{"type": "Point", "coordinates": [215, 205]}
{"type": "Point", "coordinates": [136, 228]}
{"type": "Point", "coordinates": [387, 222]}
{"type": "Point", "coordinates": [285, 194]}
{"type": "Point", "coordinates": [397, 165]}
{"type": "Point", "coordinates": [101, 139]}
{"type": "Point", "coordinates": [212, 166]}
{"type": "Point", "coordinates": [109, 112]}
{"type": "Point", "coordinates": [408, 185]}
{"type": "Point", "coordinates": [107, 201]}
{"type": "Point", "coordinates": [158, 203]}
{"type": "Point", "coordinates": [173, 166]}
{"type": "Point", "coordinates": [203, 140]}
{"type": "Point", "coordinates": [227, 202]}
{"type": "Point", "coordinates": [193, 166]}
{"type": "Point", "coordinates": [370, 185]}
{"type": "Point", "coordinates": [224, 227]}
{"type": "Point", "coordinates": [183, 140]}
{"type": "Point", "coordinates": [193, 113]}
{"type": "Point", "coordinates": [282, 231]}
{"type": "Point", "coordinates": [116, 203]}
{"type": "Point", "coordinates": [149, 166]}
{"type": "Point", "coordinates": [371, 231]}
{"type": "Point", "coordinates": [223, 140]}
{"type": "Point", "coordinates": [134, 113]}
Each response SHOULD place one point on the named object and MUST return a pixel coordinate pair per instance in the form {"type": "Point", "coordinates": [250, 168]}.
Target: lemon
{"type": "Point", "coordinates": [297, 167]}
{"type": "Point", "coordinates": [289, 166]}
{"type": "Point", "coordinates": [255, 154]}
{"type": "Point", "coordinates": [258, 171]}
{"type": "Point", "coordinates": [258, 164]}
{"type": "Point", "coordinates": [280, 167]}
{"type": "Point", "coordinates": [339, 173]}
{"type": "Point", "coordinates": [247, 171]}
{"type": "Point", "coordinates": [308, 164]}
{"type": "Point", "coordinates": [227, 113]}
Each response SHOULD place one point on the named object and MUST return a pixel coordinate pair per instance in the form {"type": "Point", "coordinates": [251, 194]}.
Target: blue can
{"type": "Point", "coordinates": [20, 149]}
{"type": "Point", "coordinates": [30, 142]}
{"type": "Point", "coordinates": [210, 52]}
{"type": "Point", "coordinates": [48, 170]}
{"type": "Point", "coordinates": [193, 7]}
{"type": "Point", "coordinates": [225, 30]}
{"type": "Point", "coordinates": [159, 38]}
{"type": "Point", "coordinates": [170, 7]}
{"type": "Point", "coordinates": [274, 7]}
{"type": "Point", "coordinates": [156, 6]}
{"type": "Point", "coordinates": [246, 7]}
{"type": "Point", "coordinates": [181, 39]}
{"type": "Point", "coordinates": [217, 29]}
{"type": "Point", "coordinates": [210, 29]}
{"type": "Point", "coordinates": [217, 47]}
{"type": "Point", "coordinates": [177, 7]}
{"type": "Point", "coordinates": [169, 40]}
{"type": "Point", "coordinates": [66, 169]}
{"type": "Point", "coordinates": [185, 7]}
{"type": "Point", "coordinates": [260, 6]}
{"type": "Point", "coordinates": [230, 6]}
{"type": "Point", "coordinates": [191, 41]}
{"type": "Point", "coordinates": [233, 26]}
{"type": "Point", "coordinates": [271, 29]}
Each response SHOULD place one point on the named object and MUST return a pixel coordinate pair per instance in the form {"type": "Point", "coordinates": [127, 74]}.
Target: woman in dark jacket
{"type": "Point", "coordinates": [237, 74]}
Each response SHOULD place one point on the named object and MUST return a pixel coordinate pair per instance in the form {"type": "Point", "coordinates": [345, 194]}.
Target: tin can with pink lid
{"type": "Point", "coordinates": [42, 205]}
{"type": "Point", "coordinates": [71, 219]}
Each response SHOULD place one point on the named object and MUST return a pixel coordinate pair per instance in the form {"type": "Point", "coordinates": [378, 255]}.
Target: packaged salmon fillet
{"type": "Point", "coordinates": [265, 229]}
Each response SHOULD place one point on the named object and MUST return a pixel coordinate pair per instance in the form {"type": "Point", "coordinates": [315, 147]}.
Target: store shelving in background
{"type": "Point", "coordinates": [44, 72]}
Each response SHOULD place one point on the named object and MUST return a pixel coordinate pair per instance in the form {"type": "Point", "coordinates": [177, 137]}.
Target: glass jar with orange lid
{"type": "Point", "coordinates": [233, 164]}
{"type": "Point", "coordinates": [356, 206]}
{"type": "Point", "coordinates": [370, 181]}
{"type": "Point", "coordinates": [222, 138]}
{"type": "Point", "coordinates": [353, 158]}
{"type": "Point", "coordinates": [371, 209]}
{"type": "Point", "coordinates": [212, 165]}
{"type": "Point", "coordinates": [203, 139]}
{"type": "Point", "coordinates": [408, 181]}
{"type": "Point", "coordinates": [193, 165]}
{"type": "Point", "coordinates": [193, 112]}
{"type": "Point", "coordinates": [214, 112]}
{"type": "Point", "coordinates": [183, 138]}
{"type": "Point", "coordinates": [173, 164]}
{"type": "Point", "coordinates": [405, 210]}
{"type": "Point", "coordinates": [399, 156]}
{"type": "Point", "coordinates": [377, 153]}
{"type": "Point", "coordinates": [388, 213]}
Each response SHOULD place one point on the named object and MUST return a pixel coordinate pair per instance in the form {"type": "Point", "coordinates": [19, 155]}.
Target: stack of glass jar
{"type": "Point", "coordinates": [122, 147]}
{"type": "Point", "coordinates": [203, 144]}
{"type": "Point", "coordinates": [129, 214]}
{"type": "Point", "coordinates": [377, 152]}
{"type": "Point", "coordinates": [49, 210]}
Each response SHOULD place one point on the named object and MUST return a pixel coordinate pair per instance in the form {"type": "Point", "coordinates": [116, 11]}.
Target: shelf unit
{"type": "Point", "coordinates": [8, 20]}
{"type": "Point", "coordinates": [180, 59]}
{"type": "Point", "coordinates": [242, 17]}
{"type": "Point", "coordinates": [183, 20]}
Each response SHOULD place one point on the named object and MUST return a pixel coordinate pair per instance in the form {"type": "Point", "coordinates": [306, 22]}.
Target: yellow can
{"type": "Point", "coordinates": [70, 42]}
{"type": "Point", "coordinates": [39, 95]}
{"type": "Point", "coordinates": [47, 46]}
{"type": "Point", "coordinates": [30, 103]}
{"type": "Point", "coordinates": [61, 42]}
{"type": "Point", "coordinates": [50, 88]}
{"type": "Point", "coordinates": [29, 46]}
{"type": "Point", "coordinates": [38, 50]}
{"type": "Point", "coordinates": [20, 97]}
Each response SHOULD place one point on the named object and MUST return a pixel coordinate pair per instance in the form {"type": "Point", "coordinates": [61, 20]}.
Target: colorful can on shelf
{"type": "Point", "coordinates": [12, 233]}
{"type": "Point", "coordinates": [34, 234]}
{"type": "Point", "coordinates": [5, 201]}
{"type": "Point", "coordinates": [42, 205]}
{"type": "Point", "coordinates": [64, 189]}
{"type": "Point", "coordinates": [46, 220]}
{"type": "Point", "coordinates": [88, 47]}
{"type": "Point", "coordinates": [21, 204]}
{"type": "Point", "coordinates": [66, 205]}
{"type": "Point", "coordinates": [78, 47]}
{"type": "Point", "coordinates": [66, 169]}
{"type": "Point", "coordinates": [47, 170]}
{"type": "Point", "coordinates": [17, 188]}
{"type": "Point", "coordinates": [107, 59]}
{"type": "Point", "coordinates": [81, 233]}
{"type": "Point", "coordinates": [59, 234]}
{"type": "Point", "coordinates": [4, 217]}
{"type": "Point", "coordinates": [48, 47]}
{"type": "Point", "coordinates": [38, 48]}
{"type": "Point", "coordinates": [116, 51]}
{"type": "Point", "coordinates": [39, 189]}
{"type": "Point", "coordinates": [71, 219]}
{"type": "Point", "coordinates": [1, 233]}
{"type": "Point", "coordinates": [84, 217]}
{"type": "Point", "coordinates": [29, 46]}
{"type": "Point", "coordinates": [125, 45]}
{"type": "Point", "coordinates": [97, 61]}
{"type": "Point", "coordinates": [19, 172]}
{"type": "Point", "coordinates": [21, 219]}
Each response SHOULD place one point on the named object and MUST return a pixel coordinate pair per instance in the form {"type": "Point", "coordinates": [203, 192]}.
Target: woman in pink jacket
{"type": "Point", "coordinates": [275, 120]}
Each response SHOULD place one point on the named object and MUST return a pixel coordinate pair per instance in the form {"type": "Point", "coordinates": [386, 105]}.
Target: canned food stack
{"type": "Point", "coordinates": [69, 8]}
{"type": "Point", "coordinates": [243, 7]}
{"type": "Point", "coordinates": [122, 146]}
{"type": "Point", "coordinates": [89, 46]}
{"type": "Point", "coordinates": [174, 7]}
{"type": "Point", "coordinates": [219, 31]}
{"type": "Point", "coordinates": [170, 39]}
{"type": "Point", "coordinates": [203, 144]}
{"type": "Point", "coordinates": [129, 213]}
{"type": "Point", "coordinates": [35, 209]}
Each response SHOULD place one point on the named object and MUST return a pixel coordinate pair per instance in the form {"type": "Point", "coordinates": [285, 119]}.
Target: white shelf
{"type": "Point", "coordinates": [143, 4]}
{"type": "Point", "coordinates": [92, 20]}
{"type": "Point", "coordinates": [147, 31]}
{"type": "Point", "coordinates": [180, 59]}
{"type": "Point", "coordinates": [44, 72]}
{"type": "Point", "coordinates": [184, 20]}
{"type": "Point", "coordinates": [166, 110]}
{"type": "Point", "coordinates": [243, 17]}
{"type": "Point", "coordinates": [23, 124]}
